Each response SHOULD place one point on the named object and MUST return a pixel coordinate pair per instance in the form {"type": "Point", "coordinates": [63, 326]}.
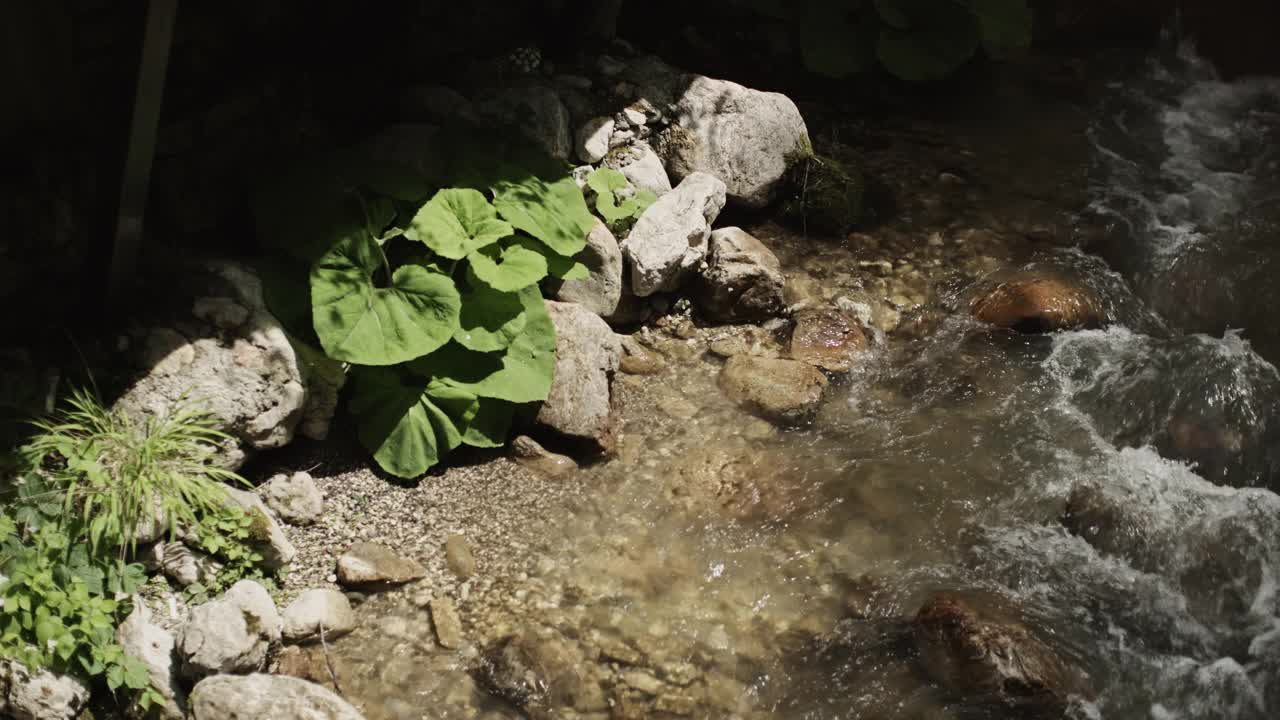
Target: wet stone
{"type": "Point", "coordinates": [448, 626]}
{"type": "Point", "coordinates": [368, 563]}
{"type": "Point", "coordinates": [783, 391]}
{"type": "Point", "coordinates": [826, 338]}
{"type": "Point", "coordinates": [458, 556]}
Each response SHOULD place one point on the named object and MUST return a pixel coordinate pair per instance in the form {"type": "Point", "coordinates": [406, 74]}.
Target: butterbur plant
{"type": "Point", "coordinates": [617, 212]}
{"type": "Point", "coordinates": [438, 311]}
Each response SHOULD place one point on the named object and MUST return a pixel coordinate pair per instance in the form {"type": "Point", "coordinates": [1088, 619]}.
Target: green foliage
{"type": "Point", "coordinates": [57, 606]}
{"type": "Point", "coordinates": [606, 183]}
{"type": "Point", "coordinates": [437, 311]}
{"type": "Point", "coordinates": [112, 474]}
{"type": "Point", "coordinates": [227, 535]}
{"type": "Point", "coordinates": [915, 40]}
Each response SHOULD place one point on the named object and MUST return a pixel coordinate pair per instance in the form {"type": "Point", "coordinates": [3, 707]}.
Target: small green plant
{"type": "Point", "coordinates": [607, 184]}
{"type": "Point", "coordinates": [114, 474]}
{"type": "Point", "coordinates": [55, 611]}
{"type": "Point", "coordinates": [228, 536]}
{"type": "Point", "coordinates": [915, 40]}
{"type": "Point", "coordinates": [427, 287]}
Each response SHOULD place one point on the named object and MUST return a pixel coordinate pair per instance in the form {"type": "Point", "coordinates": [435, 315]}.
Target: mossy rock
{"type": "Point", "coordinates": [824, 195]}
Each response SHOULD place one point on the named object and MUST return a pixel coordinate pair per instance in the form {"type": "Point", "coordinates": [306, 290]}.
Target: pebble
{"type": "Point", "coordinates": [444, 616]}
{"type": "Point", "coordinates": [458, 555]}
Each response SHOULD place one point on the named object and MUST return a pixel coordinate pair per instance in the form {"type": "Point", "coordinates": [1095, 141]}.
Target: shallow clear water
{"type": "Point", "coordinates": [1106, 489]}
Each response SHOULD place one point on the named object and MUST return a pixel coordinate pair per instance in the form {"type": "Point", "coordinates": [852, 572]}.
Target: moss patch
{"type": "Point", "coordinates": [824, 195]}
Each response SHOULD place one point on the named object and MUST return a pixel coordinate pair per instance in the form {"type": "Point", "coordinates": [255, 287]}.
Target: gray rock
{"type": "Point", "coordinates": [231, 697]}
{"type": "Point", "coordinates": [641, 166]}
{"type": "Point", "coordinates": [444, 617]}
{"type": "Point", "coordinates": [267, 536]}
{"type": "Point", "coordinates": [39, 695]}
{"type": "Point", "coordinates": [246, 376]}
{"type": "Point", "coordinates": [295, 498]}
{"type": "Point", "coordinates": [231, 634]}
{"type": "Point", "coordinates": [318, 608]}
{"type": "Point", "coordinates": [669, 241]}
{"type": "Point", "coordinates": [743, 279]}
{"type": "Point", "coordinates": [180, 563]}
{"type": "Point", "coordinates": [154, 646]}
{"type": "Point", "coordinates": [324, 378]}
{"type": "Point", "coordinates": [601, 291]}
{"type": "Point", "coordinates": [531, 455]}
{"type": "Point", "coordinates": [536, 111]}
{"type": "Point", "coordinates": [458, 556]}
{"type": "Point", "coordinates": [783, 391]}
{"type": "Point", "coordinates": [587, 354]}
{"type": "Point", "coordinates": [593, 139]}
{"type": "Point", "coordinates": [745, 137]}
{"type": "Point", "coordinates": [437, 104]}
{"type": "Point", "coordinates": [367, 563]}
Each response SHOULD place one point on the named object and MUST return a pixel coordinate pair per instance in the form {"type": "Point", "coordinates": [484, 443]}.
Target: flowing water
{"type": "Point", "coordinates": [1108, 489]}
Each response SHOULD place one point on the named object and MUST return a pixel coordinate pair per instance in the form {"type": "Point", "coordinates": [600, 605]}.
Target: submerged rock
{"type": "Point", "coordinates": [1037, 302]}
{"type": "Point", "coordinates": [783, 391]}
{"type": "Point", "coordinates": [825, 196]}
{"type": "Point", "coordinates": [587, 353]}
{"type": "Point", "coordinates": [743, 279]}
{"type": "Point", "coordinates": [530, 454]}
{"type": "Point", "coordinates": [367, 563]}
{"type": "Point", "coordinates": [231, 634]}
{"type": "Point", "coordinates": [989, 661]}
{"type": "Point", "coordinates": [826, 338]}
{"type": "Point", "coordinates": [744, 137]}
{"type": "Point", "coordinates": [669, 241]}
{"type": "Point", "coordinates": [278, 697]}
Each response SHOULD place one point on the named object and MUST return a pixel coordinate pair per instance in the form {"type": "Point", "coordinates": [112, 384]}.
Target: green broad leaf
{"type": "Point", "coordinates": [490, 319]}
{"type": "Point", "coordinates": [361, 323]}
{"type": "Point", "coordinates": [409, 423]}
{"type": "Point", "coordinates": [521, 373]}
{"type": "Point", "coordinates": [1005, 25]}
{"type": "Point", "coordinates": [558, 266]}
{"type": "Point", "coordinates": [553, 212]}
{"type": "Point", "coordinates": [399, 181]}
{"type": "Point", "coordinates": [491, 424]}
{"type": "Point", "coordinates": [507, 269]}
{"type": "Point", "coordinates": [457, 222]}
{"type": "Point", "coordinates": [834, 44]}
{"type": "Point", "coordinates": [286, 288]}
{"type": "Point", "coordinates": [931, 52]}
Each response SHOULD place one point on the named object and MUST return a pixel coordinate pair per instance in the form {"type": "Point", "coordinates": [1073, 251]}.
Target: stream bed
{"type": "Point", "coordinates": [1104, 493]}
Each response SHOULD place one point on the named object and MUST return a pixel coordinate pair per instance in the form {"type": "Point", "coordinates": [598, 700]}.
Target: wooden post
{"type": "Point", "coordinates": [142, 146]}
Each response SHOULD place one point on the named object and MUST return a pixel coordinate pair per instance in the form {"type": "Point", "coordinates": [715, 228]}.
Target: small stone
{"type": "Point", "coordinates": [368, 563]}
{"type": "Point", "coordinates": [295, 498]}
{"type": "Point", "coordinates": [593, 139]}
{"type": "Point", "coordinates": [316, 609]}
{"type": "Point", "coordinates": [638, 360]}
{"type": "Point", "coordinates": [530, 454]}
{"type": "Point", "coordinates": [783, 391]}
{"type": "Point", "coordinates": [826, 338]}
{"type": "Point", "coordinates": [458, 556]}
{"type": "Point", "coordinates": [444, 617]}
{"type": "Point", "coordinates": [642, 681]}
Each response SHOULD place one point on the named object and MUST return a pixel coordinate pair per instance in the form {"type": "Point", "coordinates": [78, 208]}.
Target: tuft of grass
{"type": "Point", "coordinates": [116, 474]}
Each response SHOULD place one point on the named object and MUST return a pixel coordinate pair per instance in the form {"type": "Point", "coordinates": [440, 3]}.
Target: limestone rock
{"type": "Point", "coordinates": [295, 498]}
{"type": "Point", "coordinates": [743, 279]}
{"type": "Point", "coordinates": [530, 454]}
{"type": "Point", "coordinates": [318, 608]}
{"type": "Point", "coordinates": [368, 563]}
{"type": "Point", "coordinates": [991, 660]}
{"type": "Point", "coordinates": [641, 166]}
{"type": "Point", "coordinates": [180, 563]}
{"type": "Point", "coordinates": [231, 697]}
{"type": "Point", "coordinates": [231, 634]}
{"type": "Point", "coordinates": [245, 374]}
{"type": "Point", "coordinates": [826, 338]}
{"type": "Point", "coordinates": [310, 663]}
{"type": "Point", "coordinates": [669, 241]}
{"type": "Point", "coordinates": [536, 111]}
{"type": "Point", "coordinates": [601, 291]}
{"type": "Point", "coordinates": [458, 556]}
{"type": "Point", "coordinates": [783, 391]}
{"type": "Point", "coordinates": [39, 695]}
{"type": "Point", "coordinates": [444, 617]}
{"type": "Point", "coordinates": [154, 646]}
{"type": "Point", "coordinates": [593, 139]}
{"type": "Point", "coordinates": [746, 138]}
{"type": "Point", "coordinates": [1038, 303]}
{"type": "Point", "coordinates": [267, 536]}
{"type": "Point", "coordinates": [587, 354]}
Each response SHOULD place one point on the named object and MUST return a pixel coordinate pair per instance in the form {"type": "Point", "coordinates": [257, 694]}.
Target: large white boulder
{"type": "Point", "coordinates": [669, 241]}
